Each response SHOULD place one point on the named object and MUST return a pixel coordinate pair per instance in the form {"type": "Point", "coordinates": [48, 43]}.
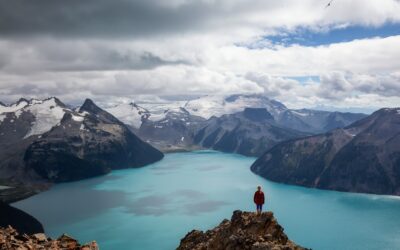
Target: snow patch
{"type": "Point", "coordinates": [220, 105]}
{"type": "Point", "coordinates": [18, 113]}
{"type": "Point", "coordinates": [299, 113]}
{"type": "Point", "coordinates": [84, 113]}
{"type": "Point", "coordinates": [78, 118]}
{"type": "Point", "coordinates": [47, 114]}
{"type": "Point", "coordinates": [128, 113]}
{"type": "Point", "coordinates": [13, 108]}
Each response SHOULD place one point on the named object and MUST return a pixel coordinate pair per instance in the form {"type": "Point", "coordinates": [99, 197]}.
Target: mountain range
{"type": "Point", "coordinates": [188, 124]}
{"type": "Point", "coordinates": [46, 141]}
{"type": "Point", "coordinates": [305, 120]}
{"type": "Point", "coordinates": [362, 157]}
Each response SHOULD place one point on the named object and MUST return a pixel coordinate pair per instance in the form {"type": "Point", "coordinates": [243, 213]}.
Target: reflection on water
{"type": "Point", "coordinates": [155, 206]}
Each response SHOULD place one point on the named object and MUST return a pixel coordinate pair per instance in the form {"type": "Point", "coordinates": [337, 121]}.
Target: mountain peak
{"type": "Point", "coordinates": [89, 106]}
{"type": "Point", "coordinates": [21, 100]}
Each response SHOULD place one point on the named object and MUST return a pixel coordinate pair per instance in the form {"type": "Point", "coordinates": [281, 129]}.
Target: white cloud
{"type": "Point", "coordinates": [206, 54]}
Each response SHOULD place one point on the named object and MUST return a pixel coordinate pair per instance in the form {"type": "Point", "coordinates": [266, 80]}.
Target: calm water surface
{"type": "Point", "coordinates": [153, 207]}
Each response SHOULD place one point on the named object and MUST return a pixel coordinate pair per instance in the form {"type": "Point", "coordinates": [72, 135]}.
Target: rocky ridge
{"type": "Point", "coordinates": [11, 239]}
{"type": "Point", "coordinates": [245, 230]}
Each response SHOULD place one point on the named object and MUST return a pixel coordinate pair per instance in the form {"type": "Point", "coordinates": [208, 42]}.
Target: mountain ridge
{"type": "Point", "coordinates": [362, 157]}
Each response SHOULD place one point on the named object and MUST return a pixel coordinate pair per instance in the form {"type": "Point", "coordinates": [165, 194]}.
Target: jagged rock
{"type": "Point", "coordinates": [245, 230]}
{"type": "Point", "coordinates": [11, 239]}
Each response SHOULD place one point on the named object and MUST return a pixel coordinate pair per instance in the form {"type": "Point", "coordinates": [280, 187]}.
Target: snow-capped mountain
{"type": "Point", "coordinates": [28, 118]}
{"type": "Point", "coordinates": [218, 105]}
{"type": "Point", "coordinates": [175, 123]}
{"type": "Point", "coordinates": [44, 140]}
{"type": "Point", "coordinates": [307, 120]}
{"type": "Point", "coordinates": [167, 126]}
{"type": "Point", "coordinates": [134, 114]}
{"type": "Point", "coordinates": [175, 130]}
{"type": "Point", "coordinates": [130, 113]}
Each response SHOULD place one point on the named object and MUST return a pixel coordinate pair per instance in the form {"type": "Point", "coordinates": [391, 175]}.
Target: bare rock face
{"type": "Point", "coordinates": [11, 239]}
{"type": "Point", "coordinates": [245, 230]}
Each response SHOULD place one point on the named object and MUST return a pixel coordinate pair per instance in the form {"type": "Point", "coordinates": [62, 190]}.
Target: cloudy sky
{"type": "Point", "coordinates": [298, 52]}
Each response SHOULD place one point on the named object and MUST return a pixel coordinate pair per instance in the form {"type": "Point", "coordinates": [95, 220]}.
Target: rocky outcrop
{"type": "Point", "coordinates": [245, 230]}
{"type": "Point", "coordinates": [363, 157]}
{"type": "Point", "coordinates": [250, 132]}
{"type": "Point", "coordinates": [18, 219]}
{"type": "Point", "coordinates": [12, 239]}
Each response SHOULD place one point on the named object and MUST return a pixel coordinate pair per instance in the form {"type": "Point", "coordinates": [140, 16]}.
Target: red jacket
{"type": "Point", "coordinates": [259, 197]}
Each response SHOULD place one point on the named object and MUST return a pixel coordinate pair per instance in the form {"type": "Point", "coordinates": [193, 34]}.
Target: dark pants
{"type": "Point", "coordinates": [259, 207]}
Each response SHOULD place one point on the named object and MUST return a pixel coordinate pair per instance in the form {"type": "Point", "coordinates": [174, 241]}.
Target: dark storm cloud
{"type": "Point", "coordinates": [114, 60]}
{"type": "Point", "coordinates": [102, 18]}
{"type": "Point", "coordinates": [55, 55]}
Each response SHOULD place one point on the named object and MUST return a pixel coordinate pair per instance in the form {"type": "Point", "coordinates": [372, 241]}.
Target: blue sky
{"type": "Point", "coordinates": [308, 37]}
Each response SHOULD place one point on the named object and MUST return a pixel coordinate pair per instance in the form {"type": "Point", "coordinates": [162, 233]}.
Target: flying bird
{"type": "Point", "coordinates": [329, 4]}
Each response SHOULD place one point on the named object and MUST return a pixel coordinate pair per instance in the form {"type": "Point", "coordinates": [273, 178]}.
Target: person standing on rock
{"type": "Point", "coordinates": [259, 199]}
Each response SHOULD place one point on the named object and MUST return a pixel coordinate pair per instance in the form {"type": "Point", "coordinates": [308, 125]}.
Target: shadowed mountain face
{"type": "Point", "coordinates": [316, 121]}
{"type": "Point", "coordinates": [363, 157]}
{"type": "Point", "coordinates": [58, 144]}
{"type": "Point", "coordinates": [250, 132]}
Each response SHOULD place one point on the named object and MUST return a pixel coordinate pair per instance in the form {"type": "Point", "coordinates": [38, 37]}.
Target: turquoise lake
{"type": "Point", "coordinates": [153, 207]}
